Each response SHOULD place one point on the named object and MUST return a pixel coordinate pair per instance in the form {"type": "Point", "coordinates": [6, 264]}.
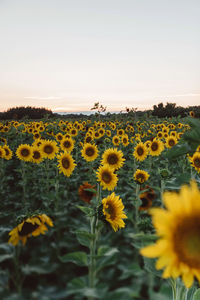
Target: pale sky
{"type": "Point", "coordinates": [68, 54]}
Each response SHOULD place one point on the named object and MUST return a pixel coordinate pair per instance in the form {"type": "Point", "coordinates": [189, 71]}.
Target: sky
{"type": "Point", "coordinates": [66, 55]}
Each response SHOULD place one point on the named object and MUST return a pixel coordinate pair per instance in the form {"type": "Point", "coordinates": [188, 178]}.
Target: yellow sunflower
{"type": "Point", "coordinates": [59, 136]}
{"type": "Point", "coordinates": [67, 144]}
{"type": "Point", "coordinates": [113, 209]}
{"type": "Point", "coordinates": [89, 152]}
{"type": "Point", "coordinates": [195, 161]}
{"type": "Point", "coordinates": [113, 157]}
{"type": "Point", "coordinates": [178, 228]}
{"type": "Point", "coordinates": [24, 152]}
{"type": "Point", "coordinates": [171, 141]}
{"type": "Point", "coordinates": [116, 140]}
{"type": "Point", "coordinates": [34, 226]}
{"type": "Point", "coordinates": [125, 140]}
{"type": "Point", "coordinates": [2, 152]}
{"type": "Point", "coordinates": [48, 149]}
{"type": "Point", "coordinates": [108, 179]}
{"type": "Point", "coordinates": [66, 163]}
{"type": "Point", "coordinates": [140, 176]}
{"type": "Point", "coordinates": [156, 147]}
{"type": "Point", "coordinates": [36, 155]}
{"type": "Point", "coordinates": [140, 151]}
{"type": "Point", "coordinates": [8, 152]}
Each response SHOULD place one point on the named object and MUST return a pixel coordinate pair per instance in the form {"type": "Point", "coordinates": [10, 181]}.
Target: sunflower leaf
{"type": "Point", "coordinates": [196, 295]}
{"type": "Point", "coordinates": [87, 210]}
{"type": "Point", "coordinates": [79, 258]}
{"type": "Point", "coordinates": [84, 237]}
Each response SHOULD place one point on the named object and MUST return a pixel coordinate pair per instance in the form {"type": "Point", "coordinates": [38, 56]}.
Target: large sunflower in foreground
{"type": "Point", "coordinates": [89, 152]}
{"type": "Point", "coordinates": [34, 226]}
{"type": "Point", "coordinates": [140, 151]}
{"type": "Point", "coordinates": [113, 157]}
{"type": "Point", "coordinates": [24, 152]}
{"type": "Point", "coordinates": [108, 179]}
{"type": "Point", "coordinates": [66, 163]}
{"type": "Point", "coordinates": [48, 149]}
{"type": "Point", "coordinates": [113, 211]}
{"type": "Point", "coordinates": [178, 227]}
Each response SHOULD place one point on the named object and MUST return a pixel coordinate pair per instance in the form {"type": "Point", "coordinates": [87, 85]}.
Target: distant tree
{"type": "Point", "coordinates": [21, 112]}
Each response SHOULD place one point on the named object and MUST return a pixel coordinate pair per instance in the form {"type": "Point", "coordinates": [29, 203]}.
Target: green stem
{"type": "Point", "coordinates": [137, 204]}
{"type": "Point", "coordinates": [23, 173]}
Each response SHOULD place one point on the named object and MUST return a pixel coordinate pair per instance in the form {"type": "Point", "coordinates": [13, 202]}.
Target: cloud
{"type": "Point", "coordinates": [42, 98]}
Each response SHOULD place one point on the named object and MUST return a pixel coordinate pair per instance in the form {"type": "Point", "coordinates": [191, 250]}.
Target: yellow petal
{"type": "Point", "coordinates": [188, 279]}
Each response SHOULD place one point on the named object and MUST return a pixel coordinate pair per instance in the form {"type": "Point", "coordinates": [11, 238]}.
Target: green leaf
{"type": "Point", "coordinates": [140, 240]}
{"type": "Point", "coordinates": [196, 295]}
{"type": "Point", "coordinates": [87, 210]}
{"type": "Point", "coordinates": [84, 237]}
{"type": "Point", "coordinates": [4, 257]}
{"type": "Point", "coordinates": [79, 258]}
{"type": "Point", "coordinates": [149, 265]}
{"type": "Point", "coordinates": [178, 150]}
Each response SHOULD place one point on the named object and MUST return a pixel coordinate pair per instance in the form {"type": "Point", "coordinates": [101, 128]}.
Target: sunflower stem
{"type": "Point", "coordinates": [137, 204]}
{"type": "Point", "coordinates": [23, 173]}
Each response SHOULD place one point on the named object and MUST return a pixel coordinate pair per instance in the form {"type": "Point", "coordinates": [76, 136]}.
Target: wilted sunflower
{"type": "Point", "coordinates": [89, 152]}
{"type": "Point", "coordinates": [178, 228]}
{"type": "Point", "coordinates": [67, 144]}
{"type": "Point", "coordinates": [24, 152]}
{"type": "Point", "coordinates": [140, 176]}
{"type": "Point", "coordinates": [195, 161]}
{"type": "Point", "coordinates": [113, 157]}
{"type": "Point", "coordinates": [113, 209]}
{"type": "Point", "coordinates": [147, 197]}
{"type": "Point", "coordinates": [8, 152]}
{"type": "Point", "coordinates": [66, 163]}
{"type": "Point", "coordinates": [140, 151]}
{"type": "Point", "coordinates": [156, 147]}
{"type": "Point", "coordinates": [48, 149]}
{"type": "Point", "coordinates": [34, 226]}
{"type": "Point", "coordinates": [36, 155]}
{"type": "Point", "coordinates": [108, 179]}
{"type": "Point", "coordinates": [171, 141]}
{"type": "Point", "coordinates": [86, 192]}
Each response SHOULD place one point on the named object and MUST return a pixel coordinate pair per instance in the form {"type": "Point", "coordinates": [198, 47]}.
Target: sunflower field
{"type": "Point", "coordinates": [105, 208]}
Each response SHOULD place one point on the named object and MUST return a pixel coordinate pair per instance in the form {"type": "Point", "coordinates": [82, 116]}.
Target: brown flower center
{"type": "Point", "coordinates": [89, 151]}
{"type": "Point", "coordinates": [171, 142]}
{"type": "Point", "coordinates": [111, 211]}
{"type": "Point", "coordinates": [65, 163]}
{"type": "Point", "coordinates": [36, 154]}
{"type": "Point", "coordinates": [106, 177]}
{"type": "Point", "coordinates": [28, 228]}
{"type": "Point", "coordinates": [48, 149]}
{"type": "Point", "coordinates": [25, 152]}
{"type": "Point", "coordinates": [140, 151]}
{"type": "Point", "coordinates": [112, 159]}
{"type": "Point", "coordinates": [67, 144]}
{"type": "Point", "coordinates": [197, 162]}
{"type": "Point", "coordinates": [154, 146]}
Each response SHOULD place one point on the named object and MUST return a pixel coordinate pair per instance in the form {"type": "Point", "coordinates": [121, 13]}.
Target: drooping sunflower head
{"type": "Point", "coordinates": [140, 151]}
{"type": "Point", "coordinates": [48, 149]}
{"type": "Point", "coordinates": [147, 198]}
{"type": "Point", "coordinates": [24, 152]}
{"type": "Point", "coordinates": [67, 144]}
{"type": "Point", "coordinates": [113, 209]}
{"type": "Point", "coordinates": [66, 163]}
{"type": "Point", "coordinates": [156, 147]}
{"type": "Point", "coordinates": [140, 176]}
{"type": "Point", "coordinates": [107, 178]}
{"type": "Point", "coordinates": [34, 225]}
{"type": "Point", "coordinates": [178, 228]}
{"type": "Point", "coordinates": [113, 157]}
{"type": "Point", "coordinates": [89, 152]}
{"type": "Point", "coordinates": [86, 192]}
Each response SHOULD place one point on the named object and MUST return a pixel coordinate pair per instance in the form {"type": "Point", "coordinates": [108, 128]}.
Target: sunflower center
{"type": "Point", "coordinates": [171, 142]}
{"type": "Point", "coordinates": [48, 149]}
{"type": "Point", "coordinates": [154, 146]}
{"type": "Point", "coordinates": [187, 241]}
{"type": "Point", "coordinates": [111, 211]}
{"type": "Point", "coordinates": [106, 177]}
{"type": "Point", "coordinates": [140, 177]}
{"type": "Point", "coordinates": [7, 151]}
{"type": "Point", "coordinates": [36, 154]}
{"type": "Point", "coordinates": [112, 159]}
{"type": "Point", "coordinates": [89, 151]}
{"type": "Point", "coordinates": [145, 202]}
{"type": "Point", "coordinates": [28, 228]}
{"type": "Point", "coordinates": [197, 162]}
{"type": "Point", "coordinates": [65, 163]}
{"type": "Point", "coordinates": [67, 144]}
{"type": "Point", "coordinates": [25, 152]}
{"type": "Point", "coordinates": [140, 151]}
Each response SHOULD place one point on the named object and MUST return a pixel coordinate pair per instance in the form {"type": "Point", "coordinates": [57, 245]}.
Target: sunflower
{"type": "Point", "coordinates": [66, 163]}
{"type": "Point", "coordinates": [125, 140]}
{"type": "Point", "coordinates": [48, 149]}
{"type": "Point", "coordinates": [108, 179]}
{"type": "Point", "coordinates": [59, 136]}
{"type": "Point", "coordinates": [86, 192]}
{"type": "Point", "coordinates": [171, 141]}
{"type": "Point", "coordinates": [140, 151]}
{"type": "Point", "coordinates": [36, 155]}
{"type": "Point", "coordinates": [178, 228]}
{"type": "Point", "coordinates": [192, 114]}
{"type": "Point", "coordinates": [67, 144]}
{"type": "Point", "coordinates": [113, 209]}
{"type": "Point", "coordinates": [24, 152]}
{"type": "Point", "coordinates": [2, 152]}
{"type": "Point", "coordinates": [140, 176]}
{"type": "Point", "coordinates": [147, 197]}
{"type": "Point", "coordinates": [74, 132]}
{"type": "Point", "coordinates": [116, 140]}
{"type": "Point", "coordinates": [89, 152]}
{"type": "Point", "coordinates": [8, 152]}
{"type": "Point", "coordinates": [156, 147]}
{"type": "Point", "coordinates": [195, 161]}
{"type": "Point", "coordinates": [34, 226]}
{"type": "Point", "coordinates": [113, 157]}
